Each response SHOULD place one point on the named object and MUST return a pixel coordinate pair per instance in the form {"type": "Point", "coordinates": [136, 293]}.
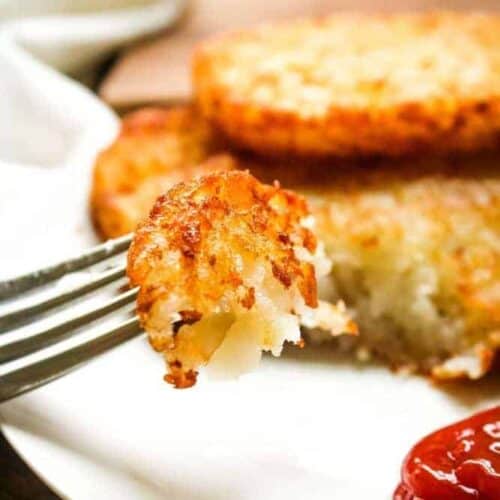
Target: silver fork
{"type": "Point", "coordinates": [13, 316]}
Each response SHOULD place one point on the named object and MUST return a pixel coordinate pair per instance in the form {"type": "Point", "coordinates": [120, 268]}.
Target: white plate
{"type": "Point", "coordinates": [308, 425]}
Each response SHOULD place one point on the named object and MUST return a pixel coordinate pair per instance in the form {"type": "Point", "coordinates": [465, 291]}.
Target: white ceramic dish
{"type": "Point", "coordinates": [308, 425]}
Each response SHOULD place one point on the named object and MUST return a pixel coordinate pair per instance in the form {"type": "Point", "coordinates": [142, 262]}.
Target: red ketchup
{"type": "Point", "coordinates": [458, 462]}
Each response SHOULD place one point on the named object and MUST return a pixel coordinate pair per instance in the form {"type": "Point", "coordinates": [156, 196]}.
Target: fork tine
{"type": "Point", "coordinates": [64, 329]}
{"type": "Point", "coordinates": [21, 284]}
{"type": "Point", "coordinates": [17, 316]}
{"type": "Point", "coordinates": [32, 376]}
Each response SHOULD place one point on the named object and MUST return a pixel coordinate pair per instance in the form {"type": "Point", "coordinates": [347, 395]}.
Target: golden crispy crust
{"type": "Point", "coordinates": [156, 148]}
{"type": "Point", "coordinates": [356, 85]}
{"type": "Point", "coordinates": [196, 244]}
{"type": "Point", "coordinates": [195, 218]}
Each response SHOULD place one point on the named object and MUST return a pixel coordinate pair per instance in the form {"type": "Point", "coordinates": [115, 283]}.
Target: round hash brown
{"type": "Point", "coordinates": [356, 85]}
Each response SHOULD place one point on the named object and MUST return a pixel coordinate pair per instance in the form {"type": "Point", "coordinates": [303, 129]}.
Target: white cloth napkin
{"type": "Point", "coordinates": [51, 127]}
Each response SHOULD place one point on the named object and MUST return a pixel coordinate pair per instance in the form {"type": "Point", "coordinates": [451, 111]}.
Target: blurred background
{"type": "Point", "coordinates": [144, 56]}
{"type": "Point", "coordinates": [157, 70]}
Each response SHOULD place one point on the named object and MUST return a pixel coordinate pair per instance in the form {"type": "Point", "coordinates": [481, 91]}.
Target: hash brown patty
{"type": "Point", "coordinates": [416, 255]}
{"type": "Point", "coordinates": [415, 245]}
{"type": "Point", "coordinates": [227, 268]}
{"type": "Point", "coordinates": [353, 84]}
